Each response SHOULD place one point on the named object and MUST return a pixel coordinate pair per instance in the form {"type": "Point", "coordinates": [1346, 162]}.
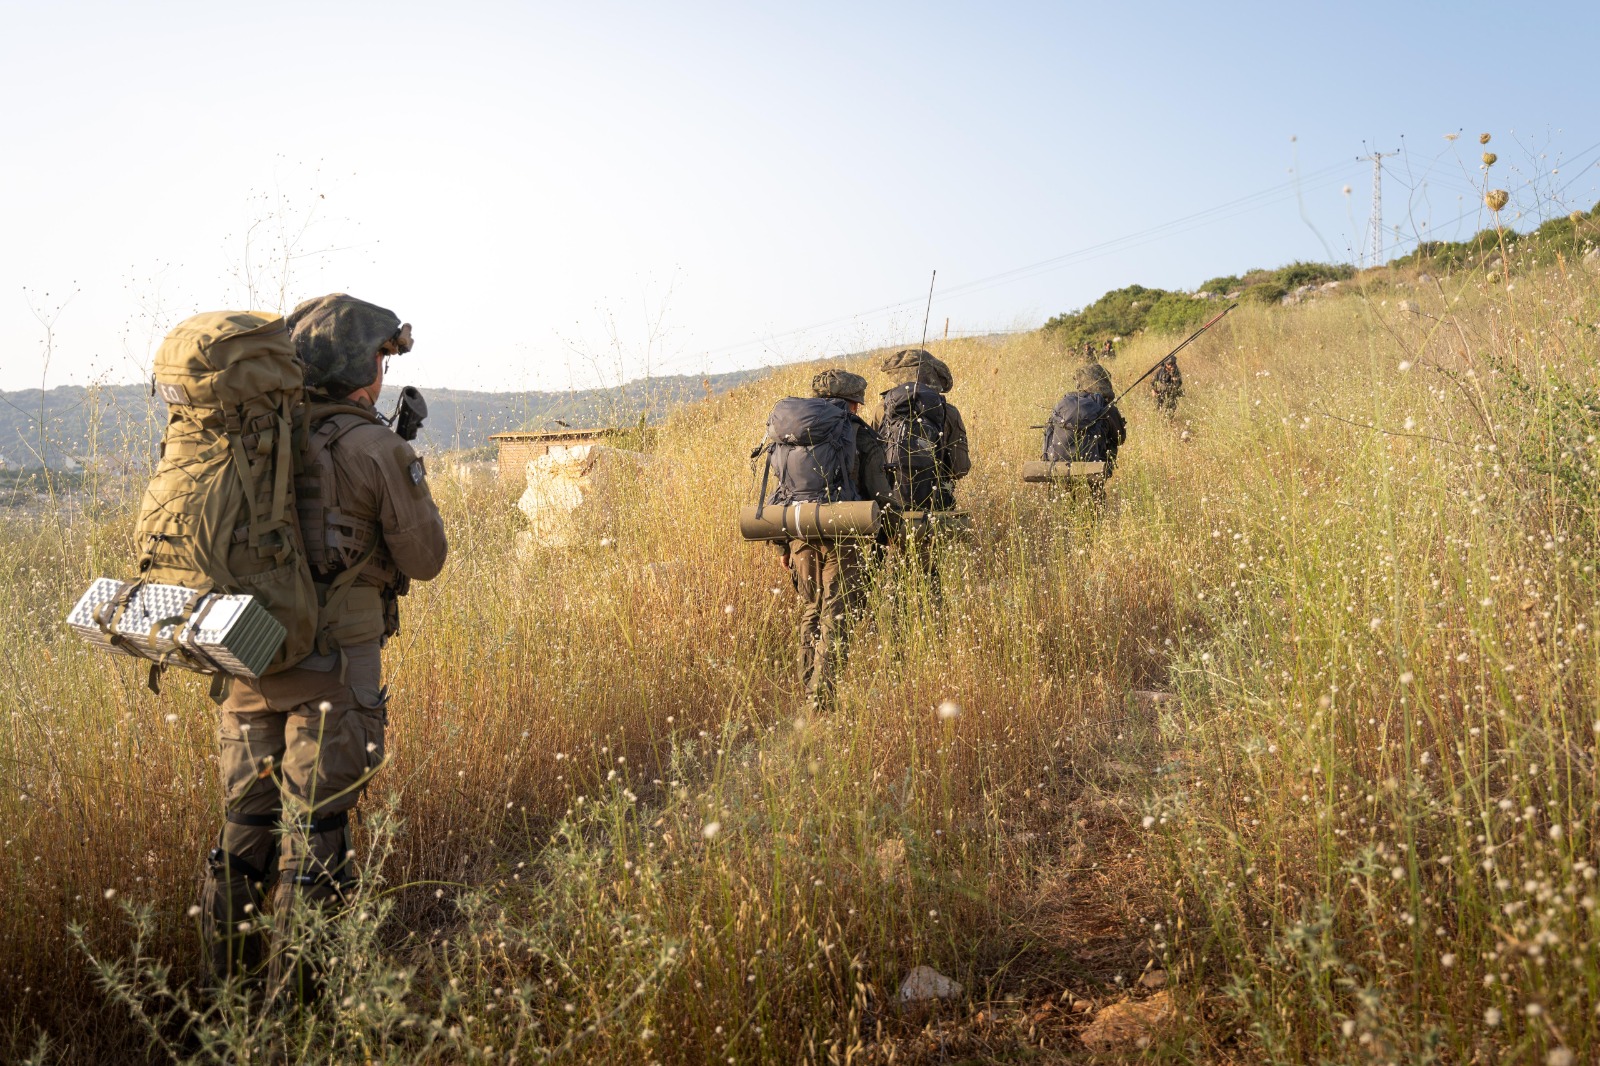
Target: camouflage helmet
{"type": "Point", "coordinates": [1092, 377]}
{"type": "Point", "coordinates": [921, 366]}
{"type": "Point", "coordinates": [337, 336]}
{"type": "Point", "coordinates": [840, 385]}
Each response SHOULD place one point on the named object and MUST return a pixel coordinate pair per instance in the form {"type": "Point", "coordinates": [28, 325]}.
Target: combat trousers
{"type": "Point", "coordinates": [827, 576]}
{"type": "Point", "coordinates": [924, 492]}
{"type": "Point", "coordinates": [296, 750]}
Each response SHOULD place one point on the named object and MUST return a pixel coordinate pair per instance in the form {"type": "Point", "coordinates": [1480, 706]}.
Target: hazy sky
{"type": "Point", "coordinates": [524, 182]}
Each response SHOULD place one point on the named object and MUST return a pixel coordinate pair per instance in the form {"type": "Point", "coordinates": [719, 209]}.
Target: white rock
{"type": "Point", "coordinates": [1408, 307]}
{"type": "Point", "coordinates": [572, 493]}
{"type": "Point", "coordinates": [925, 983]}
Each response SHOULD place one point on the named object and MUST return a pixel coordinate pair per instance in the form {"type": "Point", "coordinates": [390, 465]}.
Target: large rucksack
{"type": "Point", "coordinates": [913, 428]}
{"type": "Point", "coordinates": [219, 514]}
{"type": "Point", "coordinates": [811, 445]}
{"type": "Point", "coordinates": [1078, 429]}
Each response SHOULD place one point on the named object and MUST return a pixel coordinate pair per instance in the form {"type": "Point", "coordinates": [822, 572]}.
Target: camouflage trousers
{"type": "Point", "coordinates": [296, 750]}
{"type": "Point", "coordinates": [827, 576]}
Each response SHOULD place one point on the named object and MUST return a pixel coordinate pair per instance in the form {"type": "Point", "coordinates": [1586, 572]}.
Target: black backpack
{"type": "Point", "coordinates": [811, 446]}
{"type": "Point", "coordinates": [1078, 430]}
{"type": "Point", "coordinates": [913, 427]}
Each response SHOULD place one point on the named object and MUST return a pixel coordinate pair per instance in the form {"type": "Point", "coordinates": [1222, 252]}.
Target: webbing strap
{"type": "Point", "coordinates": [280, 481]}
{"type": "Point", "coordinates": [271, 821]}
{"type": "Point", "coordinates": [242, 462]}
{"type": "Point", "coordinates": [338, 589]}
{"type": "Point", "coordinates": [226, 860]}
{"type": "Point", "coordinates": [761, 500]}
{"type": "Point", "coordinates": [329, 823]}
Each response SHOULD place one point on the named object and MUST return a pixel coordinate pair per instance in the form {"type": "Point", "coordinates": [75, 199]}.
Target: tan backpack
{"type": "Point", "coordinates": [219, 514]}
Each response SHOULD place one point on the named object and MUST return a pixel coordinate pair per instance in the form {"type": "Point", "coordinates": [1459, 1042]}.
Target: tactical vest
{"type": "Point", "coordinates": [337, 541]}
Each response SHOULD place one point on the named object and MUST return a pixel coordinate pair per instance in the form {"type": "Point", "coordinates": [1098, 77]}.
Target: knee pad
{"type": "Point", "coordinates": [318, 866]}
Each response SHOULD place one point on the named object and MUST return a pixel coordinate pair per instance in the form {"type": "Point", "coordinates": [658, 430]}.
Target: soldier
{"type": "Point", "coordinates": [1166, 385]}
{"type": "Point", "coordinates": [925, 442]}
{"type": "Point", "coordinates": [299, 747]}
{"type": "Point", "coordinates": [1110, 351]}
{"type": "Point", "coordinates": [844, 463]}
{"type": "Point", "coordinates": [1086, 426]}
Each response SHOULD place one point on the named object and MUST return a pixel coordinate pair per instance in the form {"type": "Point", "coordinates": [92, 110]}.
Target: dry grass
{"type": "Point", "coordinates": [1341, 839]}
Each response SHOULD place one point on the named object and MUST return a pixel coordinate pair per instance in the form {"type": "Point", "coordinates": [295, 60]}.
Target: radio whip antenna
{"type": "Point", "coordinates": [928, 312]}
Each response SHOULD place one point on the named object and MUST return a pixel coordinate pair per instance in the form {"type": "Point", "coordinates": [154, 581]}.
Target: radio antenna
{"type": "Point", "coordinates": [928, 312]}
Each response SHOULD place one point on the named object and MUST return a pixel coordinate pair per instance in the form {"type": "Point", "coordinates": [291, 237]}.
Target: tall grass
{"type": "Point", "coordinates": [1363, 561]}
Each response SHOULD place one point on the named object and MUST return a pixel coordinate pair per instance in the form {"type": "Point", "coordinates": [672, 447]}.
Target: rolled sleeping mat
{"type": "Point", "coordinates": [810, 521]}
{"type": "Point", "coordinates": [926, 523]}
{"type": "Point", "coordinates": [1045, 470]}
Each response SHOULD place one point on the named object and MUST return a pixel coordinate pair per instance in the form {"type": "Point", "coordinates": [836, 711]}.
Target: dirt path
{"type": "Point", "coordinates": [1082, 940]}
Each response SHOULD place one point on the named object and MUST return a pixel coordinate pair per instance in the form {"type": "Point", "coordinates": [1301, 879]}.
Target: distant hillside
{"type": "Point", "coordinates": [119, 425]}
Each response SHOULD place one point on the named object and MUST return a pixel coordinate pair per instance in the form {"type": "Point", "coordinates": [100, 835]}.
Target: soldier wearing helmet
{"type": "Point", "coordinates": [829, 575]}
{"type": "Point", "coordinates": [924, 436]}
{"type": "Point", "coordinates": [1166, 386]}
{"type": "Point", "coordinates": [925, 443]}
{"type": "Point", "coordinates": [299, 747]}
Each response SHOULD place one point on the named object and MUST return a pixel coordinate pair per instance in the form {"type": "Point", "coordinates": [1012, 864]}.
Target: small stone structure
{"type": "Point", "coordinates": [515, 450]}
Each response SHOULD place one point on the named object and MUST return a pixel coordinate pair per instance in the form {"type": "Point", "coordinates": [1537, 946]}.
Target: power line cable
{"type": "Point", "coordinates": [1220, 212]}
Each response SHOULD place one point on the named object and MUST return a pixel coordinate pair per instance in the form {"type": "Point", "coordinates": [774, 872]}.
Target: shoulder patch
{"type": "Point", "coordinates": [411, 467]}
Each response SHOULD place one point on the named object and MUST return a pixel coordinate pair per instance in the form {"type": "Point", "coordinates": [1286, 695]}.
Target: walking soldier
{"type": "Point", "coordinates": [821, 451]}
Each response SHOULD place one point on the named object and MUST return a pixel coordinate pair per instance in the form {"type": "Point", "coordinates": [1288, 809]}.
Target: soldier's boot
{"type": "Point", "coordinates": [237, 872]}
{"type": "Point", "coordinates": [316, 877]}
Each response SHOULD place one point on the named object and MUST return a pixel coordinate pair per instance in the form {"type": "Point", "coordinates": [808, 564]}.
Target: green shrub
{"type": "Point", "coordinates": [1119, 313]}
{"type": "Point", "coordinates": [1223, 285]}
{"type": "Point", "coordinates": [1177, 313]}
{"type": "Point", "coordinates": [1297, 274]}
{"type": "Point", "coordinates": [1561, 237]}
{"type": "Point", "coordinates": [1266, 292]}
{"type": "Point", "coordinates": [1123, 312]}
